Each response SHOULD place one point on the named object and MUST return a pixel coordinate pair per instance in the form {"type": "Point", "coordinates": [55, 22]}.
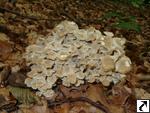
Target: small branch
{"type": "Point", "coordinates": [77, 20]}
{"type": "Point", "coordinates": [25, 16]}
{"type": "Point", "coordinates": [82, 20]}
{"type": "Point", "coordinates": [83, 99]}
{"type": "Point", "coordinates": [71, 17]}
{"type": "Point", "coordinates": [17, 13]}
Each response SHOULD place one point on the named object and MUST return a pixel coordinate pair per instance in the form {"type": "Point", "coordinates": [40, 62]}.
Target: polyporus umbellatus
{"type": "Point", "coordinates": [75, 56]}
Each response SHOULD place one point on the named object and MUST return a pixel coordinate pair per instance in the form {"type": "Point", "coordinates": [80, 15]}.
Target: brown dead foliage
{"type": "Point", "coordinates": [23, 17]}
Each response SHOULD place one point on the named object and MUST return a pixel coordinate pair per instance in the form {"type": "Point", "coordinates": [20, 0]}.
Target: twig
{"type": "Point", "coordinates": [82, 20]}
{"type": "Point", "coordinates": [77, 20]}
{"type": "Point", "coordinates": [83, 99]}
{"type": "Point", "coordinates": [25, 16]}
{"type": "Point", "coordinates": [17, 13]}
{"type": "Point", "coordinates": [71, 17]}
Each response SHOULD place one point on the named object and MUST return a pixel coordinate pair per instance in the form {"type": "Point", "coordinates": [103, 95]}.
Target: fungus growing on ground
{"type": "Point", "coordinates": [75, 56]}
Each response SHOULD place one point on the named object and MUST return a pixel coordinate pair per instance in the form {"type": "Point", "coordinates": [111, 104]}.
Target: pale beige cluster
{"type": "Point", "coordinates": [75, 56]}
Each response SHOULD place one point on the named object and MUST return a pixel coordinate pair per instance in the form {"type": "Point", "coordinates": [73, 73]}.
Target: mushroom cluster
{"type": "Point", "coordinates": [75, 56]}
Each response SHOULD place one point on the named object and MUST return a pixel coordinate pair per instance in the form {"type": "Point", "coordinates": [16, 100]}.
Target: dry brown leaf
{"type": "Point", "coordinates": [35, 109]}
{"type": "Point", "coordinates": [4, 37]}
{"type": "Point", "coordinates": [141, 93]}
{"type": "Point", "coordinates": [41, 109]}
{"type": "Point", "coordinates": [16, 79]}
{"type": "Point", "coordinates": [120, 95]}
{"type": "Point", "coordinates": [4, 73]}
{"type": "Point", "coordinates": [84, 108]}
{"type": "Point", "coordinates": [25, 110]}
{"type": "Point", "coordinates": [4, 92]}
{"type": "Point", "coordinates": [96, 93]}
{"type": "Point", "coordinates": [91, 92]}
{"type": "Point", "coordinates": [7, 101]}
{"type": "Point", "coordinates": [5, 50]}
{"type": "Point", "coordinates": [116, 109]}
{"type": "Point", "coordinates": [64, 108]}
{"type": "Point", "coordinates": [130, 105]}
{"type": "Point", "coordinates": [147, 65]}
{"type": "Point", "coordinates": [120, 101]}
{"type": "Point", "coordinates": [74, 91]}
{"type": "Point", "coordinates": [88, 11]}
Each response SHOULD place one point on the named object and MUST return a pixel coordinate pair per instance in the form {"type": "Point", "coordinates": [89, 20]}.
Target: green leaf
{"type": "Point", "coordinates": [137, 3]}
{"type": "Point", "coordinates": [128, 25]}
{"type": "Point", "coordinates": [112, 14]}
{"type": "Point", "coordinates": [132, 18]}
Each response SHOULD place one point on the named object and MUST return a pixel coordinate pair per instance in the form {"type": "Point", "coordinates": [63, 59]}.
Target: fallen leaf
{"type": "Point", "coordinates": [5, 50]}
{"type": "Point", "coordinates": [7, 101]}
{"type": "Point", "coordinates": [41, 108]}
{"type": "Point", "coordinates": [141, 93]}
{"type": "Point", "coordinates": [24, 96]}
{"type": "Point", "coordinates": [120, 95]}
{"type": "Point", "coordinates": [97, 94]}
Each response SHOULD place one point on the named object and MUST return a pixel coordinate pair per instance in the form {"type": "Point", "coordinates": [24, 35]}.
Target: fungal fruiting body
{"type": "Point", "coordinates": [75, 55]}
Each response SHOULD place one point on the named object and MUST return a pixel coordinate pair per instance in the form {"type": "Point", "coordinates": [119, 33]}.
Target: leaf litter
{"type": "Point", "coordinates": [23, 17]}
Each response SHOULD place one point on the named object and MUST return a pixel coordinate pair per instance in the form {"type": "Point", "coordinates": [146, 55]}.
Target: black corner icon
{"type": "Point", "coordinates": [143, 106]}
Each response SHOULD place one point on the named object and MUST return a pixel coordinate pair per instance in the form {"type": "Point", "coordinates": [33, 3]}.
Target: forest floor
{"type": "Point", "coordinates": [18, 18]}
